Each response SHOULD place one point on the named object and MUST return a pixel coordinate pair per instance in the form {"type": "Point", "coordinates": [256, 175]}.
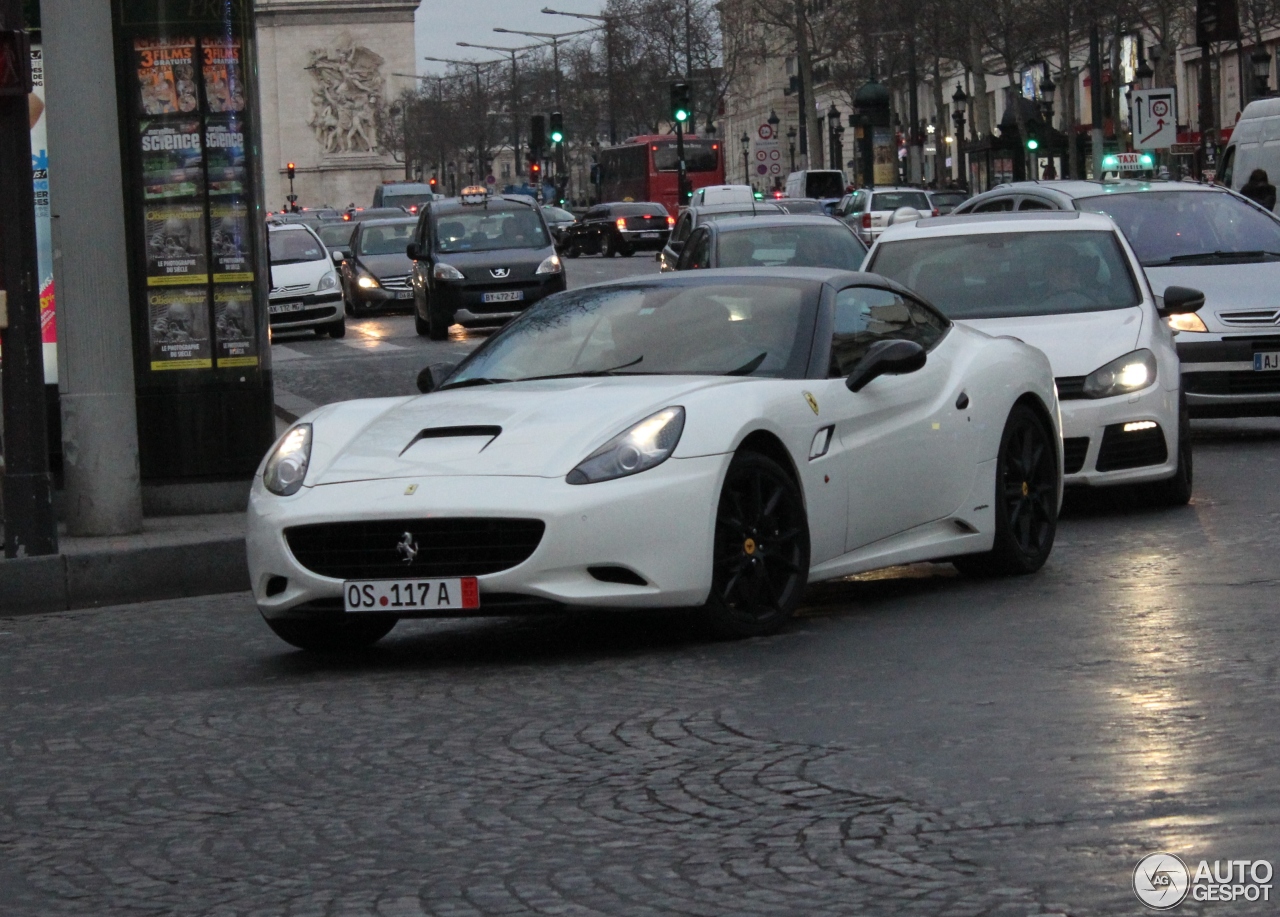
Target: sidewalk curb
{"type": "Point", "coordinates": [64, 582]}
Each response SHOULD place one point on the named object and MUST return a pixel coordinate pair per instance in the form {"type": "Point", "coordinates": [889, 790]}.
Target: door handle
{"type": "Point", "coordinates": [962, 402]}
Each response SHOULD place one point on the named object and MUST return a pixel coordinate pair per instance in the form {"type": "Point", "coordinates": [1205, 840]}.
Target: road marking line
{"type": "Point", "coordinates": [370, 344]}
{"type": "Point", "coordinates": [281, 352]}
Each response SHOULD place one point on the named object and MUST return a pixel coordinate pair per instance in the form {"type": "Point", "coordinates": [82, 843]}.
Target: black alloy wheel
{"type": "Point", "coordinates": [1026, 499]}
{"type": "Point", "coordinates": [760, 552]}
{"type": "Point", "coordinates": [1176, 491]}
{"type": "Point", "coordinates": [334, 635]}
{"type": "Point", "coordinates": [610, 247]}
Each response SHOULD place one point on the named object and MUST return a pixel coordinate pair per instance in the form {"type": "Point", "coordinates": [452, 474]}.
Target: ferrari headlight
{"type": "Point", "coordinates": [328, 281]}
{"type": "Point", "coordinates": [1129, 373]}
{"type": "Point", "coordinates": [444, 271]}
{"type": "Point", "coordinates": [1187, 322]}
{"type": "Point", "coordinates": [549, 266]}
{"type": "Point", "coordinates": [287, 466]}
{"type": "Point", "coordinates": [644, 445]}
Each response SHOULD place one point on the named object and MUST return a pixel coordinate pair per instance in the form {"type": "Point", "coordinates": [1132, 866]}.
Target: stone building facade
{"type": "Point", "coordinates": [328, 70]}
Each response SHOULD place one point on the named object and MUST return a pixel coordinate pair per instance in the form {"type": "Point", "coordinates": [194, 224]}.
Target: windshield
{"type": "Point", "coordinates": [482, 230]}
{"type": "Point", "coordinates": [386, 240]}
{"type": "Point", "coordinates": [337, 235]}
{"type": "Point", "coordinates": [761, 328]}
{"type": "Point", "coordinates": [824, 184]}
{"type": "Point", "coordinates": [560, 216]}
{"type": "Point", "coordinates": [1002, 275]}
{"type": "Point", "coordinates": [793, 246]}
{"type": "Point", "coordinates": [1185, 226]}
{"type": "Point", "coordinates": [892, 200]}
{"type": "Point", "coordinates": [289, 246]}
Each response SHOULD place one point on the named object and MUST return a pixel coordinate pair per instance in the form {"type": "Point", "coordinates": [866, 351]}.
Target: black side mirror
{"type": "Point", "coordinates": [433, 376]}
{"type": "Point", "coordinates": [675, 246]}
{"type": "Point", "coordinates": [886, 358]}
{"type": "Point", "coordinates": [413, 250]}
{"type": "Point", "coordinates": [1180, 301]}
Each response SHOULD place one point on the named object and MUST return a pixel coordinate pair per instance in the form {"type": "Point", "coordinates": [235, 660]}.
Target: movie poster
{"type": "Point", "coordinates": [179, 328]}
{"type": "Point", "coordinates": [223, 86]}
{"type": "Point", "coordinates": [224, 140]}
{"type": "Point", "coordinates": [175, 244]}
{"type": "Point", "coordinates": [171, 160]}
{"type": "Point", "coordinates": [229, 237]}
{"type": "Point", "coordinates": [44, 229]}
{"type": "Point", "coordinates": [166, 75]}
{"type": "Point", "coordinates": [234, 326]}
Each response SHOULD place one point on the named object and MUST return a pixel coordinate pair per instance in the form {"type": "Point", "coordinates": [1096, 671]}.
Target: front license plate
{"type": "Point", "coordinates": [649, 235]}
{"type": "Point", "coordinates": [276, 308]}
{"type": "Point", "coordinates": [1266, 362]}
{"type": "Point", "coordinates": [505, 296]}
{"type": "Point", "coordinates": [411, 594]}
{"type": "Point", "coordinates": [404, 294]}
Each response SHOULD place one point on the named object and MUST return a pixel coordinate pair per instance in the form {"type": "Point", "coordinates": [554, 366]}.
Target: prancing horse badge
{"type": "Point", "coordinates": [813, 402]}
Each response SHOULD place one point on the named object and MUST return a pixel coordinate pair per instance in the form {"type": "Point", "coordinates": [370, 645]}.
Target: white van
{"type": "Point", "coordinates": [820, 184]}
{"type": "Point", "coordinates": [1254, 144]}
{"type": "Point", "coordinates": [722, 194]}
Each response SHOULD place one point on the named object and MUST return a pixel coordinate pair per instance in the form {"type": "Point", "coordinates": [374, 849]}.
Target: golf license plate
{"type": "Point", "coordinates": [504, 296]}
{"type": "Point", "coordinates": [404, 294]}
{"type": "Point", "coordinates": [1266, 362]}
{"type": "Point", "coordinates": [277, 308]}
{"type": "Point", "coordinates": [411, 594]}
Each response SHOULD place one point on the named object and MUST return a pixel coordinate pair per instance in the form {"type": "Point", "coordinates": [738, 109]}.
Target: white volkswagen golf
{"type": "Point", "coordinates": [1069, 284]}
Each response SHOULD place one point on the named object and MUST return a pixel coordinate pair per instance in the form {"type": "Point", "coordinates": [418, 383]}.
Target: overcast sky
{"type": "Point", "coordinates": [441, 23]}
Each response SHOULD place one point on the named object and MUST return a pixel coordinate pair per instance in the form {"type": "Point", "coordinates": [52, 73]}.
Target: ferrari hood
{"type": "Point", "coordinates": [1077, 344]}
{"type": "Point", "coordinates": [540, 429]}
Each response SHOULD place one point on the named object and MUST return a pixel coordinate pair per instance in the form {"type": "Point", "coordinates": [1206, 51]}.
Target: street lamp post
{"type": "Point", "coordinates": [958, 101]}
{"type": "Point", "coordinates": [833, 136]}
{"type": "Point", "coordinates": [1048, 91]}
{"type": "Point", "coordinates": [553, 39]}
{"type": "Point", "coordinates": [515, 92]}
{"type": "Point", "coordinates": [791, 145]}
{"type": "Point", "coordinates": [607, 22]}
{"type": "Point", "coordinates": [746, 149]}
{"type": "Point", "coordinates": [1261, 63]}
{"type": "Point", "coordinates": [478, 65]}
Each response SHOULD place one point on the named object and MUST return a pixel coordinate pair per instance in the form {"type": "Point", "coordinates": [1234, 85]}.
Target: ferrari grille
{"type": "Point", "coordinates": [440, 547]}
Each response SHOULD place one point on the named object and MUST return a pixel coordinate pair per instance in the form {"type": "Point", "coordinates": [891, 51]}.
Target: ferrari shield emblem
{"type": "Point", "coordinates": [813, 402]}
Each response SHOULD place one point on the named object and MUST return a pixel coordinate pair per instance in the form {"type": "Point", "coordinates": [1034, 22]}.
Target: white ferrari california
{"type": "Point", "coordinates": [708, 438]}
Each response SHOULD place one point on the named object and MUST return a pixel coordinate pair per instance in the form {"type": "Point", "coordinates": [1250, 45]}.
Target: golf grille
{"type": "Point", "coordinates": [435, 547]}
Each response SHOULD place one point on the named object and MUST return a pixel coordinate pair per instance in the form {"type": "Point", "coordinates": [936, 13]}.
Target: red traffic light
{"type": "Point", "coordinates": [290, 168]}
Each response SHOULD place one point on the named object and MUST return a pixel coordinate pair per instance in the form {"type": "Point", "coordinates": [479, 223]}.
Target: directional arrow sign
{"type": "Point", "coordinates": [1155, 118]}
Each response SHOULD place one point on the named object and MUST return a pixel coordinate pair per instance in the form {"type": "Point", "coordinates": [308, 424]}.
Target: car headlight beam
{"type": "Point", "coordinates": [365, 282]}
{"type": "Point", "coordinates": [286, 467]}
{"type": "Point", "coordinates": [1187, 322]}
{"type": "Point", "coordinates": [640, 447]}
{"type": "Point", "coordinates": [550, 266]}
{"type": "Point", "coordinates": [444, 271]}
{"type": "Point", "coordinates": [1128, 373]}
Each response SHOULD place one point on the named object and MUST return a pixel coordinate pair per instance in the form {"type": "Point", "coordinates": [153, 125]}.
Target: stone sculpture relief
{"type": "Point", "coordinates": [347, 98]}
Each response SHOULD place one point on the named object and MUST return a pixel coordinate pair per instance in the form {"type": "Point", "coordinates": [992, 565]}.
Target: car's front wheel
{"type": "Point", "coordinates": [572, 249]}
{"type": "Point", "coordinates": [438, 324]}
{"type": "Point", "coordinates": [1026, 499]}
{"type": "Point", "coordinates": [760, 552]}
{"type": "Point", "coordinates": [1176, 491]}
{"type": "Point", "coordinates": [338, 329]}
{"type": "Point", "coordinates": [420, 324]}
{"type": "Point", "coordinates": [342, 635]}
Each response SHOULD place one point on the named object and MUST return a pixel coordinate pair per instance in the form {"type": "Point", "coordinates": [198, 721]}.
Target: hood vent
{"type": "Point", "coordinates": [491, 433]}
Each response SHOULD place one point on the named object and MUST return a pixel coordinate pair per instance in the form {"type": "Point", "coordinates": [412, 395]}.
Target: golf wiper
{"type": "Point", "coordinates": [585, 372]}
{"type": "Point", "coordinates": [1216, 256]}
{"type": "Point", "coordinates": [467, 383]}
{"type": "Point", "coordinates": [749, 367]}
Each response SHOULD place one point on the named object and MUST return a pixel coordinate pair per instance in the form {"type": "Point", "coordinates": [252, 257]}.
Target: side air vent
{"type": "Point", "coordinates": [620, 575]}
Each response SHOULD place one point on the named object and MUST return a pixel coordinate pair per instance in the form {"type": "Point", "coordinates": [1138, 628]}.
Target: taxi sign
{"type": "Point", "coordinates": [474, 194]}
{"type": "Point", "coordinates": [1127, 162]}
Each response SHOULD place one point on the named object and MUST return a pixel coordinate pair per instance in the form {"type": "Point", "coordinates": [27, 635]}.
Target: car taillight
{"type": "Point", "coordinates": [935, 211]}
{"type": "Point", "coordinates": [413, 208]}
{"type": "Point", "coordinates": [866, 221]}
{"type": "Point", "coordinates": [671, 221]}
{"type": "Point", "coordinates": [622, 222]}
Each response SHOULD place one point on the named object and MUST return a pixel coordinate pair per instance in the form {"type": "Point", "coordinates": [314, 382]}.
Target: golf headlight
{"type": "Point", "coordinates": [328, 281]}
{"type": "Point", "coordinates": [287, 466]}
{"type": "Point", "coordinates": [444, 271]}
{"type": "Point", "coordinates": [1129, 373]}
{"type": "Point", "coordinates": [550, 266]}
{"type": "Point", "coordinates": [646, 444]}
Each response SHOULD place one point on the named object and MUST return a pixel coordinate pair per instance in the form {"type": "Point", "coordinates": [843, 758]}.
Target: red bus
{"type": "Point", "coordinates": [645, 168]}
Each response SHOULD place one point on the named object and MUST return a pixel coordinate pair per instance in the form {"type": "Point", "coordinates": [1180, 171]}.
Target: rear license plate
{"type": "Point", "coordinates": [277, 308]}
{"type": "Point", "coordinates": [649, 235]}
{"type": "Point", "coordinates": [411, 594]}
{"type": "Point", "coordinates": [505, 296]}
{"type": "Point", "coordinates": [1266, 362]}
{"type": "Point", "coordinates": [404, 294]}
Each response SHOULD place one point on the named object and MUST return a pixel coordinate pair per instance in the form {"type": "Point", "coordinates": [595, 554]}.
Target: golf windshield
{"type": "Point", "coordinates": [761, 327]}
{"type": "Point", "coordinates": [792, 246]}
{"type": "Point", "coordinates": [1002, 275]}
{"type": "Point", "coordinates": [1189, 227]}
{"type": "Point", "coordinates": [480, 229]}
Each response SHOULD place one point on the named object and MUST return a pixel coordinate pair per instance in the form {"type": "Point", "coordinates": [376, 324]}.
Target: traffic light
{"type": "Point", "coordinates": [557, 127]}
{"type": "Point", "coordinates": [681, 103]}
{"type": "Point", "coordinates": [291, 169]}
{"type": "Point", "coordinates": [537, 135]}
{"type": "Point", "coordinates": [432, 183]}
{"type": "Point", "coordinates": [535, 173]}
{"type": "Point", "coordinates": [1033, 136]}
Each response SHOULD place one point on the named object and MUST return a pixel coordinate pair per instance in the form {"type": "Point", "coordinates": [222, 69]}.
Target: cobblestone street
{"type": "Point", "coordinates": [915, 743]}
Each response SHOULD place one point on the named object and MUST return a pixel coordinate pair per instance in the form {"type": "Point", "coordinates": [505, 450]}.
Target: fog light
{"type": "Point", "coordinates": [1137, 425]}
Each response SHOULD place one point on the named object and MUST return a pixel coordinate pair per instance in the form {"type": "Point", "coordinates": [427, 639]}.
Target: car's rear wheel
{"type": "Point", "coordinates": [626, 251]}
{"type": "Point", "coordinates": [760, 552]}
{"type": "Point", "coordinates": [572, 250]}
{"type": "Point", "coordinates": [334, 635]}
{"type": "Point", "coordinates": [1026, 499]}
{"type": "Point", "coordinates": [610, 246]}
{"type": "Point", "coordinates": [1176, 491]}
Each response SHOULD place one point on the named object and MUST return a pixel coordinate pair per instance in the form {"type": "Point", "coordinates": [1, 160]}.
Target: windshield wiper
{"type": "Point", "coordinates": [1214, 256]}
{"type": "Point", "coordinates": [749, 367]}
{"type": "Point", "coordinates": [586, 372]}
{"type": "Point", "coordinates": [467, 383]}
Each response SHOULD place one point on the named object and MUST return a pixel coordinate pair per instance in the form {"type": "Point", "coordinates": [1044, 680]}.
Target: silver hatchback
{"type": "Point", "coordinates": [868, 210]}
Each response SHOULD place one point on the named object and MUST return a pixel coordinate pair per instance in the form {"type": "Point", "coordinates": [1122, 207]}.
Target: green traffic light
{"type": "Point", "coordinates": [682, 115]}
{"type": "Point", "coordinates": [1033, 144]}
{"type": "Point", "coordinates": [557, 137]}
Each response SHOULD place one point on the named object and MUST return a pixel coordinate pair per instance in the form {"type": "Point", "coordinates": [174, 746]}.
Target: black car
{"type": "Point", "coordinates": [558, 221]}
{"type": "Point", "coordinates": [480, 260]}
{"type": "Point", "coordinates": [693, 217]}
{"type": "Point", "coordinates": [618, 229]}
{"type": "Point", "coordinates": [777, 241]}
{"type": "Point", "coordinates": [375, 269]}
